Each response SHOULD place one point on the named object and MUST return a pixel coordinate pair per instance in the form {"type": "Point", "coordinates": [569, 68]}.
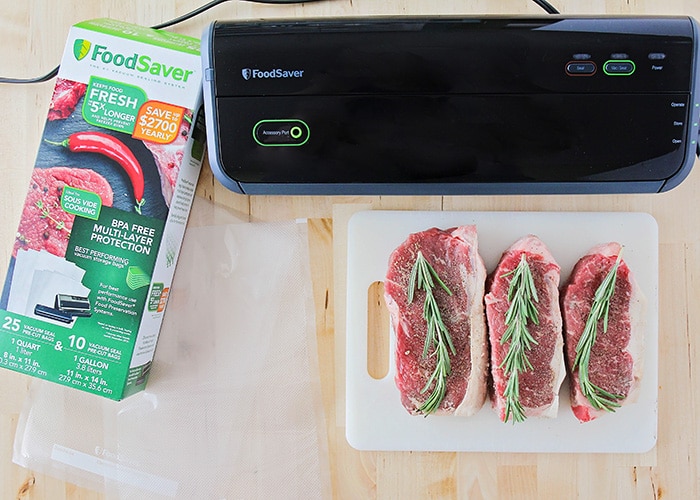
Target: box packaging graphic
{"type": "Point", "coordinates": [106, 209]}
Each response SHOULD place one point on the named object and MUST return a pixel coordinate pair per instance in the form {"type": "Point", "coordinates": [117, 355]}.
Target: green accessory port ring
{"type": "Point", "coordinates": [281, 132]}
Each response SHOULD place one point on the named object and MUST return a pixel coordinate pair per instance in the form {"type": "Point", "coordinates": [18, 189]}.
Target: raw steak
{"type": "Point", "coordinates": [539, 386]}
{"type": "Point", "coordinates": [168, 158]}
{"type": "Point", "coordinates": [43, 224]}
{"type": "Point", "coordinates": [66, 95]}
{"type": "Point", "coordinates": [453, 253]}
{"type": "Point", "coordinates": [617, 356]}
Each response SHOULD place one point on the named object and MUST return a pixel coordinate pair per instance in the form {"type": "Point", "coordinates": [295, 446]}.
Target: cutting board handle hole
{"type": "Point", "coordinates": [377, 332]}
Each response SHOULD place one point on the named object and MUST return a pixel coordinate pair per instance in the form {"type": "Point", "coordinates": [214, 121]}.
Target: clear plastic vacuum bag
{"type": "Point", "coordinates": [233, 406]}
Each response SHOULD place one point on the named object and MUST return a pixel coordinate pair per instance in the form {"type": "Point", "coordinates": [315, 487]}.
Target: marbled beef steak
{"type": "Point", "coordinates": [43, 224]}
{"type": "Point", "coordinates": [64, 99]}
{"type": "Point", "coordinates": [453, 253]}
{"type": "Point", "coordinates": [616, 359]}
{"type": "Point", "coordinates": [539, 385]}
{"type": "Point", "coordinates": [168, 158]}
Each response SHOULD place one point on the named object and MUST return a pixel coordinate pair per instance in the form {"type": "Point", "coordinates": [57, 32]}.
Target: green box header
{"type": "Point", "coordinates": [158, 38]}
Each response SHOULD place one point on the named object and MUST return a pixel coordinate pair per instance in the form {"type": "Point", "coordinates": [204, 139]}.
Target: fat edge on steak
{"type": "Point", "coordinates": [617, 357]}
{"type": "Point", "coordinates": [538, 386]}
{"type": "Point", "coordinates": [454, 255]}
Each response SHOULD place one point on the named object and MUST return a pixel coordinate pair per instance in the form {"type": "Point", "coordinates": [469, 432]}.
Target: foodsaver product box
{"type": "Point", "coordinates": [106, 209]}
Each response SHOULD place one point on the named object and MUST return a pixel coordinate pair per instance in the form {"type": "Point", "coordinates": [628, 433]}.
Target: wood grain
{"type": "Point", "coordinates": [34, 33]}
{"type": "Point", "coordinates": [377, 332]}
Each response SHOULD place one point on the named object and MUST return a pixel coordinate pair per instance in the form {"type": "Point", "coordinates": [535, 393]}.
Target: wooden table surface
{"type": "Point", "coordinates": [33, 34]}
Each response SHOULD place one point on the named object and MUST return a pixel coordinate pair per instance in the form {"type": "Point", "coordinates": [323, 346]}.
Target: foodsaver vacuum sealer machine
{"type": "Point", "coordinates": [452, 105]}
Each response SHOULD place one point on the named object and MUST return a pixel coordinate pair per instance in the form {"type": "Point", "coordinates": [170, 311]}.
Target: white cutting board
{"type": "Point", "coordinates": [375, 418]}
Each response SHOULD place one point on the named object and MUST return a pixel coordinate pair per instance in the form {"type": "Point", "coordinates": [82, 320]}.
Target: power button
{"type": "Point", "coordinates": [281, 132]}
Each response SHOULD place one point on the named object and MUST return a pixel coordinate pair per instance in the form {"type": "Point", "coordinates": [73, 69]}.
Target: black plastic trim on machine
{"type": "Point", "coordinates": [452, 106]}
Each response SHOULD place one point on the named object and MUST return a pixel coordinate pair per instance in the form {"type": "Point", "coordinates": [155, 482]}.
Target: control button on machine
{"type": "Point", "coordinates": [617, 67]}
{"type": "Point", "coordinates": [580, 68]}
{"type": "Point", "coordinates": [657, 56]}
{"type": "Point", "coordinates": [286, 132]}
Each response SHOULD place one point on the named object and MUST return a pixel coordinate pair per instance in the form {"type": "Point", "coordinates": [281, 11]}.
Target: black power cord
{"type": "Point", "coordinates": [548, 8]}
{"type": "Point", "coordinates": [44, 78]}
{"type": "Point", "coordinates": [214, 3]}
{"type": "Point", "coordinates": [48, 76]}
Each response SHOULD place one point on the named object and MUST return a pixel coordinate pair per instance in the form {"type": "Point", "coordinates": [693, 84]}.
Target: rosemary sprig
{"type": "Point", "coordinates": [522, 296]}
{"type": "Point", "coordinates": [45, 214]}
{"type": "Point", "coordinates": [423, 276]}
{"type": "Point", "coordinates": [599, 398]}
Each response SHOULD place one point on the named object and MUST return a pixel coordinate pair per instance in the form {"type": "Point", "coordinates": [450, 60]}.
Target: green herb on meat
{"type": "Point", "coordinates": [45, 214]}
{"type": "Point", "coordinates": [423, 276]}
{"type": "Point", "coordinates": [599, 398]}
{"type": "Point", "coordinates": [522, 296]}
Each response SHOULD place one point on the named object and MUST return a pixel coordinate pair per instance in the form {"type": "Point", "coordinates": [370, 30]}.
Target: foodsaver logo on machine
{"type": "Point", "coordinates": [135, 62]}
{"type": "Point", "coordinates": [249, 73]}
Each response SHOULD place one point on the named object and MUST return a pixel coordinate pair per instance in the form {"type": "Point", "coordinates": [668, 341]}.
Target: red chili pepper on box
{"type": "Point", "coordinates": [113, 148]}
